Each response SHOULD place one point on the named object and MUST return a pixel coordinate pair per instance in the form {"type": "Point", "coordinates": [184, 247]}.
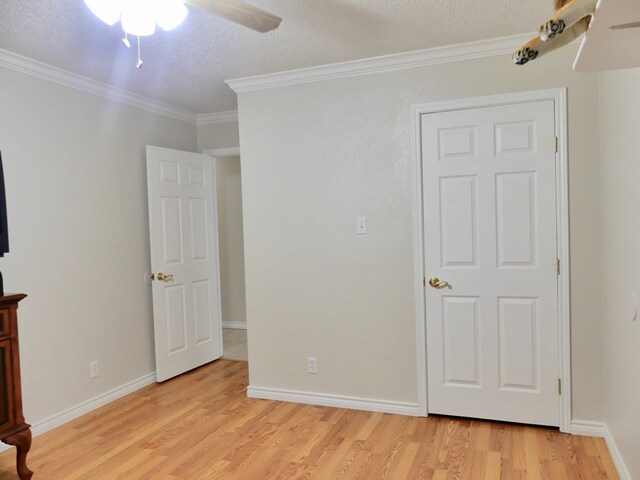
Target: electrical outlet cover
{"type": "Point", "coordinates": [312, 365]}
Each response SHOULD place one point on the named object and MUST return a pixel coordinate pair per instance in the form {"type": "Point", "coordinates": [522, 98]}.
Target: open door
{"type": "Point", "coordinates": [184, 260]}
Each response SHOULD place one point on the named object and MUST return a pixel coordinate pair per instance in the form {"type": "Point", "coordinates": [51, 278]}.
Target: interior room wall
{"type": "Point", "coordinates": [315, 288]}
{"type": "Point", "coordinates": [77, 206]}
{"type": "Point", "coordinates": [229, 196]}
{"type": "Point", "coordinates": [620, 128]}
{"type": "Point", "coordinates": [218, 135]}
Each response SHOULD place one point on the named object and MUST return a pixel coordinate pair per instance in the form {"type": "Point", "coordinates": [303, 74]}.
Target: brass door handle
{"type": "Point", "coordinates": [435, 282]}
{"type": "Point", "coordinates": [162, 277]}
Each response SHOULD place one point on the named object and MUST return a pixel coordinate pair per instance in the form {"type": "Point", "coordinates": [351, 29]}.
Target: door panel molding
{"type": "Point", "coordinates": [559, 97]}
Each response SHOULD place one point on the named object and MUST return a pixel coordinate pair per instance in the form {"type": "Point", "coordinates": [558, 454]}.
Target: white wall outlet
{"type": "Point", "coordinates": [361, 225]}
{"type": "Point", "coordinates": [93, 369]}
{"type": "Point", "coordinates": [312, 365]}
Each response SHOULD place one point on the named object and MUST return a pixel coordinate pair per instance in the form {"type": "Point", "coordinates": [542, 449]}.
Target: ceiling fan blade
{"type": "Point", "coordinates": [239, 12]}
{"type": "Point", "coordinates": [625, 25]}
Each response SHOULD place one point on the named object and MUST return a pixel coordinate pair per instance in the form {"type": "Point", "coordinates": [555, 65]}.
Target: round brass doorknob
{"type": "Point", "coordinates": [435, 282]}
{"type": "Point", "coordinates": [164, 278]}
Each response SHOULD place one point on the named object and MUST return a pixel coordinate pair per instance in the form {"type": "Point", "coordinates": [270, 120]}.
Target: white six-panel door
{"type": "Point", "coordinates": [184, 260]}
{"type": "Point", "coordinates": [490, 232]}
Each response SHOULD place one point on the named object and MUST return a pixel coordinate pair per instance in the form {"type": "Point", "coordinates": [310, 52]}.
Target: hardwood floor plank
{"type": "Point", "coordinates": [493, 467]}
{"type": "Point", "coordinates": [202, 426]}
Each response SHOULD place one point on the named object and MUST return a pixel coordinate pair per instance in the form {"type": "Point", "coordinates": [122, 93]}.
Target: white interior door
{"type": "Point", "coordinates": [184, 260]}
{"type": "Point", "coordinates": [490, 232]}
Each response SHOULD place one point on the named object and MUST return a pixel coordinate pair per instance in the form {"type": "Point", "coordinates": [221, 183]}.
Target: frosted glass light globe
{"type": "Point", "coordinates": [137, 18]}
{"type": "Point", "coordinates": [109, 11]}
{"type": "Point", "coordinates": [169, 13]}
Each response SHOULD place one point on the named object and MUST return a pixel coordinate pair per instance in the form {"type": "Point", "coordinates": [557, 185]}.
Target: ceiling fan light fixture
{"type": "Point", "coordinates": [140, 17]}
{"type": "Point", "coordinates": [137, 19]}
{"type": "Point", "coordinates": [109, 11]}
{"type": "Point", "coordinates": [169, 13]}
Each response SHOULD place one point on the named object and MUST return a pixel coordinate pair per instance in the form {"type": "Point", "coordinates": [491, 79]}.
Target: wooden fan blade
{"type": "Point", "coordinates": [626, 25]}
{"type": "Point", "coordinates": [240, 13]}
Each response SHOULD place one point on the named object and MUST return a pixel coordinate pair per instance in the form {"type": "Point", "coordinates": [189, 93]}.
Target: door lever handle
{"type": "Point", "coordinates": [435, 282]}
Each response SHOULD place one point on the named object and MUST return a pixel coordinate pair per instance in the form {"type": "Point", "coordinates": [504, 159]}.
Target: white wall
{"type": "Point", "coordinates": [231, 241]}
{"type": "Point", "coordinates": [218, 135]}
{"type": "Point", "coordinates": [620, 136]}
{"type": "Point", "coordinates": [76, 191]}
{"type": "Point", "coordinates": [314, 156]}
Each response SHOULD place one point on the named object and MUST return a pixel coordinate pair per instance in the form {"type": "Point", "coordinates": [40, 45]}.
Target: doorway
{"type": "Point", "coordinates": [491, 235]}
{"type": "Point", "coordinates": [231, 244]}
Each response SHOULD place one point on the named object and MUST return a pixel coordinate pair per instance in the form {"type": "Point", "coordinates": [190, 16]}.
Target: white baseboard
{"type": "Point", "coordinates": [623, 471]}
{"type": "Point", "coordinates": [87, 406]}
{"type": "Point", "coordinates": [339, 401]}
{"type": "Point", "coordinates": [588, 429]}
{"type": "Point", "coordinates": [599, 429]}
{"type": "Point", "coordinates": [235, 325]}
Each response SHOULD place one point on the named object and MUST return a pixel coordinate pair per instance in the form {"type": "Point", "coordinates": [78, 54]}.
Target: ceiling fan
{"type": "Point", "coordinates": [140, 17]}
{"type": "Point", "coordinates": [624, 26]}
{"type": "Point", "coordinates": [239, 12]}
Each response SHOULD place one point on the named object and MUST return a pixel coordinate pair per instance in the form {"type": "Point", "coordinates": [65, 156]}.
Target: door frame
{"type": "Point", "coordinates": [222, 152]}
{"type": "Point", "coordinates": [216, 153]}
{"type": "Point", "coordinates": [559, 97]}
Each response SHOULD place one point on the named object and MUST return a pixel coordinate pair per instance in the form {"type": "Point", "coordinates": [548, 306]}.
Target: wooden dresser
{"type": "Point", "coordinates": [13, 429]}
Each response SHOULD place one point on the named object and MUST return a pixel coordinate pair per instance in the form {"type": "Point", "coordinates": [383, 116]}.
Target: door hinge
{"type": "Point", "coordinates": [555, 144]}
{"type": "Point", "coordinates": [559, 387]}
{"type": "Point", "coordinates": [558, 266]}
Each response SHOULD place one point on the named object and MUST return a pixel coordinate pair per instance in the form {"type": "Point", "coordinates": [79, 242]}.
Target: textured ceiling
{"type": "Point", "coordinates": [187, 67]}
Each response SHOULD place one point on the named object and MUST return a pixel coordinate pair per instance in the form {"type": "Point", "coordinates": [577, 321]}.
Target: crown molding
{"type": "Point", "coordinates": [386, 63]}
{"type": "Point", "coordinates": [29, 66]}
{"type": "Point", "coordinates": [219, 117]}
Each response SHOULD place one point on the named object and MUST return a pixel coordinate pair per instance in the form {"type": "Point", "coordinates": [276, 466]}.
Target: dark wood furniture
{"type": "Point", "coordinates": [13, 429]}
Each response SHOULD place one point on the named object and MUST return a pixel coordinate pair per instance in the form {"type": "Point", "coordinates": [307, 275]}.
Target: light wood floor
{"type": "Point", "coordinates": [202, 426]}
